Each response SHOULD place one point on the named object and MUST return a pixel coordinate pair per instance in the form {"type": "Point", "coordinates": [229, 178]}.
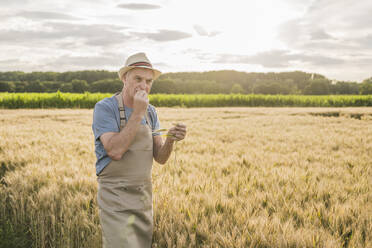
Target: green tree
{"type": "Point", "coordinates": [237, 89]}
{"type": "Point", "coordinates": [35, 86]}
{"type": "Point", "coordinates": [272, 88]}
{"type": "Point", "coordinates": [209, 87]}
{"type": "Point", "coordinates": [7, 87]}
{"type": "Point", "coordinates": [317, 87]}
{"type": "Point", "coordinates": [344, 88]}
{"type": "Point", "coordinates": [20, 86]}
{"type": "Point", "coordinates": [106, 86]}
{"type": "Point", "coordinates": [365, 88]}
{"type": "Point", "coordinates": [184, 82]}
{"type": "Point", "coordinates": [66, 87]}
{"type": "Point", "coordinates": [79, 86]}
{"type": "Point", "coordinates": [51, 86]}
{"type": "Point", "coordinates": [164, 86]}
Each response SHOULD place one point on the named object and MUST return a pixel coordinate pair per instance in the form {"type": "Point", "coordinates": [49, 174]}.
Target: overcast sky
{"type": "Point", "coordinates": [330, 37]}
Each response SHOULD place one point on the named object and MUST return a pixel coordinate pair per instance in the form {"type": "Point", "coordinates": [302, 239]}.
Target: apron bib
{"type": "Point", "coordinates": [125, 192]}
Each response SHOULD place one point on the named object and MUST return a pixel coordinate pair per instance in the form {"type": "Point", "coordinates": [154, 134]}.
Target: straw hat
{"type": "Point", "coordinates": [138, 60]}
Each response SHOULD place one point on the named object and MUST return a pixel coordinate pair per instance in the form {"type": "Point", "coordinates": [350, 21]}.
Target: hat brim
{"type": "Point", "coordinates": [125, 69]}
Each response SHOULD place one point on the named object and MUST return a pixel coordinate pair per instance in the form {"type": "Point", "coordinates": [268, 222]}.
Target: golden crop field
{"type": "Point", "coordinates": [243, 177]}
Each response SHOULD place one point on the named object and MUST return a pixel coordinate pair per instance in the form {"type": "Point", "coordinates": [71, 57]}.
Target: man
{"type": "Point", "coordinates": [125, 145]}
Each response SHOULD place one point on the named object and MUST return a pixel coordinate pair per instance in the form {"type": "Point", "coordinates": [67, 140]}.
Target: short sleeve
{"type": "Point", "coordinates": [155, 121]}
{"type": "Point", "coordinates": [104, 120]}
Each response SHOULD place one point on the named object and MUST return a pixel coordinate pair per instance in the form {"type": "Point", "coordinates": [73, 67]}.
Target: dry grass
{"type": "Point", "coordinates": [244, 177]}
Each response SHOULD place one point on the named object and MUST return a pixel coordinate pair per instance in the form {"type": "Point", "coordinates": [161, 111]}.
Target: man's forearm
{"type": "Point", "coordinates": [120, 142]}
{"type": "Point", "coordinates": [164, 152]}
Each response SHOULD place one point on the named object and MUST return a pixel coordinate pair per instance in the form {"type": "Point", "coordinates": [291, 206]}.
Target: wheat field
{"type": "Point", "coordinates": [243, 177]}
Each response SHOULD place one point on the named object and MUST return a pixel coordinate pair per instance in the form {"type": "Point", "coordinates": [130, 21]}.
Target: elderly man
{"type": "Point", "coordinates": [125, 145]}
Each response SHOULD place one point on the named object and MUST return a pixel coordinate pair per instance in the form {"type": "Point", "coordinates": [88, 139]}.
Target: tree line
{"type": "Point", "coordinates": [211, 82]}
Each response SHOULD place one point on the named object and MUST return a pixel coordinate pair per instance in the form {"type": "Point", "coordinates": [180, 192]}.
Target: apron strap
{"type": "Point", "coordinates": [149, 123]}
{"type": "Point", "coordinates": [119, 97]}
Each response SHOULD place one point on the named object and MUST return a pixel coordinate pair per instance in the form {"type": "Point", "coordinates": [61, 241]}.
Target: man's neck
{"type": "Point", "coordinates": [128, 101]}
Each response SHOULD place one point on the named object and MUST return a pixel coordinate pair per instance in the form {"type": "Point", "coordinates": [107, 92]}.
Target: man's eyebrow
{"type": "Point", "coordinates": [147, 79]}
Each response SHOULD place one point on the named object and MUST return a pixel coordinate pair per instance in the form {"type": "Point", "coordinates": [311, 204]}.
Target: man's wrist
{"type": "Point", "coordinates": [169, 141]}
{"type": "Point", "coordinates": [137, 115]}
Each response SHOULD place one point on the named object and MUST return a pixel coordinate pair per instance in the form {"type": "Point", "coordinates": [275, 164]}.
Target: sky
{"type": "Point", "coordinates": [329, 37]}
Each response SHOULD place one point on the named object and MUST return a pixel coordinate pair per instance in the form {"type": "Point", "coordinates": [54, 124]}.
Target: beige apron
{"type": "Point", "coordinates": [125, 192]}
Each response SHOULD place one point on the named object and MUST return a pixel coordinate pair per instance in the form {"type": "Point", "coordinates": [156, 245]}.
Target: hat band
{"type": "Point", "coordinates": [141, 64]}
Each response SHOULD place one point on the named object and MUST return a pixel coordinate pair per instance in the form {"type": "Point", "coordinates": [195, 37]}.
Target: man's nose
{"type": "Point", "coordinates": [143, 85]}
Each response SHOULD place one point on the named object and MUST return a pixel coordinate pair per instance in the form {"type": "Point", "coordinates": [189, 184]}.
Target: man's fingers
{"type": "Point", "coordinates": [181, 132]}
{"type": "Point", "coordinates": [180, 137]}
{"type": "Point", "coordinates": [172, 131]}
{"type": "Point", "coordinates": [141, 93]}
{"type": "Point", "coordinates": [179, 125]}
{"type": "Point", "coordinates": [178, 132]}
{"type": "Point", "coordinates": [181, 129]}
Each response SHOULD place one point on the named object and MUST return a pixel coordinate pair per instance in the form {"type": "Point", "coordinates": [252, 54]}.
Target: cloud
{"type": "Point", "coordinates": [4, 15]}
{"type": "Point", "coordinates": [63, 63]}
{"type": "Point", "coordinates": [363, 18]}
{"type": "Point", "coordinates": [13, 2]}
{"type": "Point", "coordinates": [81, 62]}
{"type": "Point", "coordinates": [161, 65]}
{"type": "Point", "coordinates": [320, 34]}
{"type": "Point", "coordinates": [9, 61]}
{"type": "Point", "coordinates": [278, 59]}
{"type": "Point", "coordinates": [365, 62]}
{"type": "Point", "coordinates": [94, 35]}
{"type": "Point", "coordinates": [365, 41]}
{"type": "Point", "coordinates": [333, 37]}
{"type": "Point", "coordinates": [138, 6]}
{"type": "Point", "coordinates": [340, 21]}
{"type": "Point", "coordinates": [164, 35]}
{"type": "Point", "coordinates": [202, 32]}
{"type": "Point", "coordinates": [25, 37]}
{"type": "Point", "coordinates": [44, 15]}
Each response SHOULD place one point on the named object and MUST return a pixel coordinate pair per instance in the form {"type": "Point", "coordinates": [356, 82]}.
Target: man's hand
{"type": "Point", "coordinates": [177, 132]}
{"type": "Point", "coordinates": [140, 102]}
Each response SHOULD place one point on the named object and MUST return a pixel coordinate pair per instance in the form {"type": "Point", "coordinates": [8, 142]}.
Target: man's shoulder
{"type": "Point", "coordinates": [151, 109]}
{"type": "Point", "coordinates": [152, 113]}
{"type": "Point", "coordinates": [107, 102]}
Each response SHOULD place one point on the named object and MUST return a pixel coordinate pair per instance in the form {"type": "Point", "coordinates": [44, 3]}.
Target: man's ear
{"type": "Point", "coordinates": [123, 78]}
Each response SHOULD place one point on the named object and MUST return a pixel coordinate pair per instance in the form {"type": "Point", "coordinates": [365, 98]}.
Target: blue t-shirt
{"type": "Point", "coordinates": [106, 118]}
